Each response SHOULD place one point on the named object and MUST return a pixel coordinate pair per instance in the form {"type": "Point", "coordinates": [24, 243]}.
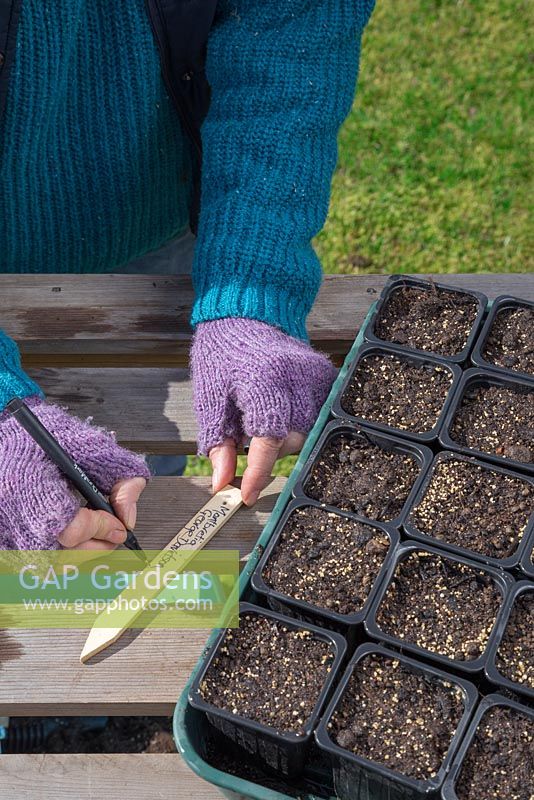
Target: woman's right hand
{"type": "Point", "coordinates": [39, 510]}
{"type": "Point", "coordinates": [98, 530]}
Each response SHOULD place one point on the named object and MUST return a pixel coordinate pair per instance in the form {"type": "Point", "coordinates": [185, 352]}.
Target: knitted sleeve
{"type": "Point", "coordinates": [13, 380]}
{"type": "Point", "coordinates": [283, 75]}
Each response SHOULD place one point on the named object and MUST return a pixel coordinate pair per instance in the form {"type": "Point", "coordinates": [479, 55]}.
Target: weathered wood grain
{"type": "Point", "coordinates": [125, 776]}
{"type": "Point", "coordinates": [144, 672]}
{"type": "Point", "coordinates": [151, 410]}
{"type": "Point", "coordinates": [138, 319]}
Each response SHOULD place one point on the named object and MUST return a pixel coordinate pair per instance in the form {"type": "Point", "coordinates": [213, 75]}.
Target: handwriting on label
{"type": "Point", "coordinates": [193, 533]}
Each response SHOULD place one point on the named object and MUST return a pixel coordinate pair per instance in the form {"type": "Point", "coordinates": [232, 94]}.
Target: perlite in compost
{"type": "Point", "coordinates": [440, 605]}
{"type": "Point", "coordinates": [268, 673]}
{"type": "Point", "coordinates": [397, 392]}
{"type": "Point", "coordinates": [397, 717]}
{"type": "Point", "coordinates": [474, 507]}
{"type": "Point", "coordinates": [498, 420]}
{"type": "Point", "coordinates": [515, 656]}
{"type": "Point", "coordinates": [510, 342]}
{"type": "Point", "coordinates": [326, 560]}
{"type": "Point", "coordinates": [431, 319]}
{"type": "Point", "coordinates": [499, 764]}
{"type": "Point", "coordinates": [356, 475]}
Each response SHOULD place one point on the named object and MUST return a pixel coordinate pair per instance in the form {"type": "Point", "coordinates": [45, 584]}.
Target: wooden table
{"type": "Point", "coordinates": [115, 347]}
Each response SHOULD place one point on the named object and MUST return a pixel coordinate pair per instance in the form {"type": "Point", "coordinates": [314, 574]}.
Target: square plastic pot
{"type": "Point", "coordinates": [397, 282]}
{"type": "Point", "coordinates": [421, 454]}
{"type": "Point", "coordinates": [208, 752]}
{"type": "Point", "coordinates": [358, 777]}
{"type": "Point", "coordinates": [511, 562]}
{"type": "Point", "coordinates": [346, 624]}
{"type": "Point", "coordinates": [491, 670]}
{"type": "Point", "coordinates": [502, 580]}
{"type": "Point", "coordinates": [471, 378]}
{"type": "Point", "coordinates": [285, 753]}
{"type": "Point", "coordinates": [425, 437]}
{"type": "Point", "coordinates": [449, 788]}
{"type": "Point", "coordinates": [502, 303]}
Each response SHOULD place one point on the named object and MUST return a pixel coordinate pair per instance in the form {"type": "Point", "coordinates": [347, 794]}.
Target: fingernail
{"type": "Point", "coordinates": [215, 478]}
{"type": "Point", "coordinates": [117, 537]}
{"type": "Point", "coordinates": [251, 499]}
{"type": "Point", "coordinates": [130, 516]}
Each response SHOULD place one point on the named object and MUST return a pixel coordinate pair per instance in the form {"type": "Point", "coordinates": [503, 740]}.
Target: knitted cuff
{"type": "Point", "coordinates": [274, 306]}
{"type": "Point", "coordinates": [271, 279]}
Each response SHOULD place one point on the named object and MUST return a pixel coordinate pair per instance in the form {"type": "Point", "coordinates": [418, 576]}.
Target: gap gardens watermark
{"type": "Point", "coordinates": [78, 589]}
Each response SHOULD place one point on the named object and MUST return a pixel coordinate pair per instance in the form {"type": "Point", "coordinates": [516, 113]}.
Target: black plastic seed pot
{"type": "Point", "coordinates": [421, 454]}
{"type": "Point", "coordinates": [511, 562]}
{"type": "Point", "coordinates": [502, 303]}
{"type": "Point", "coordinates": [397, 282]}
{"type": "Point", "coordinates": [358, 777]}
{"type": "Point", "coordinates": [425, 437]}
{"type": "Point", "coordinates": [284, 753]}
{"type": "Point", "coordinates": [469, 380]}
{"type": "Point", "coordinates": [494, 675]}
{"type": "Point", "coordinates": [449, 788]}
{"type": "Point", "coordinates": [346, 624]}
{"type": "Point", "coordinates": [501, 579]}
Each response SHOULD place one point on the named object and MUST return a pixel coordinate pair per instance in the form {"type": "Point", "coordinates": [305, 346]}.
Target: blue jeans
{"type": "Point", "coordinates": [174, 258]}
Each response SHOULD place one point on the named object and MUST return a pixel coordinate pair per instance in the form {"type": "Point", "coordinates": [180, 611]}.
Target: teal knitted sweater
{"type": "Point", "coordinates": [94, 170]}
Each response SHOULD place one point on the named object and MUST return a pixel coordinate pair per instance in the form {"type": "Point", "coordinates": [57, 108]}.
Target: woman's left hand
{"type": "Point", "coordinates": [252, 380]}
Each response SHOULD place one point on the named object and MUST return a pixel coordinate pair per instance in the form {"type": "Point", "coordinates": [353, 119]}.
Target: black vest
{"type": "Point", "coordinates": [181, 29]}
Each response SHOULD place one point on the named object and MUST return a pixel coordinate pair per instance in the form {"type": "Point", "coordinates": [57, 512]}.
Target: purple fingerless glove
{"type": "Point", "coordinates": [36, 500]}
{"type": "Point", "coordinates": [252, 379]}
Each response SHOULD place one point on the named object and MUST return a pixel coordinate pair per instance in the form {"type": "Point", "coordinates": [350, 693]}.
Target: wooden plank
{"type": "Point", "coordinates": [144, 672]}
{"type": "Point", "coordinates": [123, 776]}
{"type": "Point", "coordinates": [151, 410]}
{"type": "Point", "coordinates": [138, 319]}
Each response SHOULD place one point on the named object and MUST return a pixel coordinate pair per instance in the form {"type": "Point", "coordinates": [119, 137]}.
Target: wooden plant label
{"type": "Point", "coordinates": [192, 537]}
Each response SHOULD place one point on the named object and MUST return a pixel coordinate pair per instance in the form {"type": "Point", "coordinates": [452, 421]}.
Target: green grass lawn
{"type": "Point", "coordinates": [434, 159]}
